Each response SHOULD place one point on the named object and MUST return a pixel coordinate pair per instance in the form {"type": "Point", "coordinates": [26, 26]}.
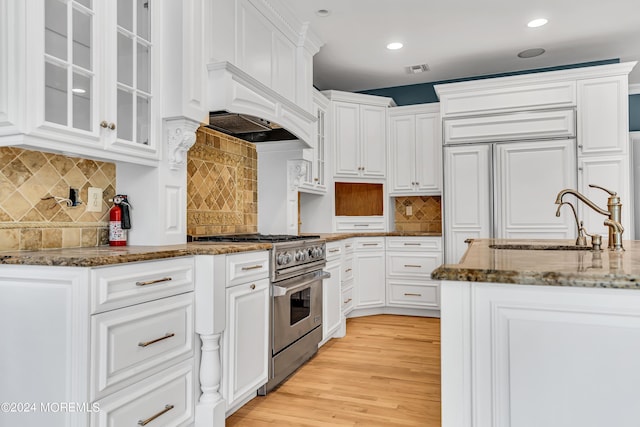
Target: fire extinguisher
{"type": "Point", "coordinates": [119, 221]}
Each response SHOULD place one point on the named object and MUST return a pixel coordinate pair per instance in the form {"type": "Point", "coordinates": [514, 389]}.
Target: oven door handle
{"type": "Point", "coordinates": [280, 291]}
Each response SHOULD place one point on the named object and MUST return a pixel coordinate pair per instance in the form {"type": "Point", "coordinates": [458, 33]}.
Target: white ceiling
{"type": "Point", "coordinates": [462, 38]}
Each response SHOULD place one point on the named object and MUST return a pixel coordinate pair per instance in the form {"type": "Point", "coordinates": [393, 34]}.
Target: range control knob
{"type": "Point", "coordinates": [283, 258]}
{"type": "Point", "coordinates": [301, 255]}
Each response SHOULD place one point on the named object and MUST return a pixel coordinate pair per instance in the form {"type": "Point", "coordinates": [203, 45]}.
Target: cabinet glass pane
{"type": "Point", "coordinates": [125, 14]}
{"type": "Point", "coordinates": [55, 28]}
{"type": "Point", "coordinates": [142, 121]}
{"type": "Point", "coordinates": [55, 94]}
{"type": "Point", "coordinates": [144, 19]}
{"type": "Point", "coordinates": [143, 82]}
{"type": "Point", "coordinates": [125, 60]}
{"type": "Point", "coordinates": [82, 39]}
{"type": "Point", "coordinates": [82, 114]}
{"type": "Point", "coordinates": [125, 115]}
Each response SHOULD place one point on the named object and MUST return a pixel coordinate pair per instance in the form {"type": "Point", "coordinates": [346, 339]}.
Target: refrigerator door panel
{"type": "Point", "coordinates": [528, 176]}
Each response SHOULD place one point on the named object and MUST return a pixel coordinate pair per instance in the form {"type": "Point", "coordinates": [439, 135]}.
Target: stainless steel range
{"type": "Point", "coordinates": [296, 299]}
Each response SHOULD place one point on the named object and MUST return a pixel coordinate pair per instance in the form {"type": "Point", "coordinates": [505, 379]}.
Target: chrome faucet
{"type": "Point", "coordinates": [613, 213]}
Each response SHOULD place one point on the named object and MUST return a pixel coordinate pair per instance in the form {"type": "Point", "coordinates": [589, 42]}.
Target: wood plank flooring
{"type": "Point", "coordinates": [385, 372]}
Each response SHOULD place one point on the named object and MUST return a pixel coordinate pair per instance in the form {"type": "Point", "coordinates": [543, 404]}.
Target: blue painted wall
{"type": "Point", "coordinates": [424, 93]}
{"type": "Point", "coordinates": [634, 112]}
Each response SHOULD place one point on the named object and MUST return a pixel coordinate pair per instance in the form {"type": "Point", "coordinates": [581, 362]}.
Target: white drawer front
{"type": "Point", "coordinates": [333, 250]}
{"type": "Point", "coordinates": [359, 224]}
{"type": "Point", "coordinates": [347, 299]}
{"type": "Point", "coordinates": [369, 243]}
{"type": "Point", "coordinates": [513, 126]}
{"type": "Point", "coordinates": [167, 396]}
{"type": "Point", "coordinates": [348, 246]}
{"type": "Point", "coordinates": [422, 294]}
{"type": "Point", "coordinates": [411, 264]}
{"type": "Point", "coordinates": [347, 272]}
{"type": "Point", "coordinates": [133, 342]}
{"type": "Point", "coordinates": [415, 243]}
{"type": "Point", "coordinates": [248, 266]}
{"type": "Point", "coordinates": [133, 283]}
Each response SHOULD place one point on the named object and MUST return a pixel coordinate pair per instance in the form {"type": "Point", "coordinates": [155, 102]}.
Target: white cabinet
{"type": "Point", "coordinates": [410, 261]}
{"type": "Point", "coordinates": [359, 134]}
{"type": "Point", "coordinates": [415, 150]}
{"type": "Point", "coordinates": [603, 153]}
{"type": "Point", "coordinates": [246, 336]}
{"type": "Point", "coordinates": [368, 272]}
{"type": "Point", "coordinates": [133, 359]}
{"type": "Point", "coordinates": [467, 197]}
{"type": "Point", "coordinates": [86, 78]}
{"type": "Point", "coordinates": [529, 175]}
{"type": "Point", "coordinates": [315, 178]}
{"type": "Point", "coordinates": [539, 355]}
{"type": "Point", "coordinates": [246, 340]}
{"type": "Point", "coordinates": [332, 292]}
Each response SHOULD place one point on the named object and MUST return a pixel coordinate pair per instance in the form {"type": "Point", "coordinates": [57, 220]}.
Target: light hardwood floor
{"type": "Point", "coordinates": [385, 372]}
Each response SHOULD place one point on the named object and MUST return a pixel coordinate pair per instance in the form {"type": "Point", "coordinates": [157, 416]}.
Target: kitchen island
{"type": "Point", "coordinates": [537, 333]}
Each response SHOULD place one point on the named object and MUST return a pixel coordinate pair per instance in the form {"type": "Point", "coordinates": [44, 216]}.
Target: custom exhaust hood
{"type": "Point", "coordinates": [242, 106]}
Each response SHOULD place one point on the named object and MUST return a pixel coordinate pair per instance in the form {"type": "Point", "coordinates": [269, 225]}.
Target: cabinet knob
{"type": "Point", "coordinates": [253, 286]}
{"type": "Point", "coordinates": [316, 179]}
{"type": "Point", "coordinates": [104, 124]}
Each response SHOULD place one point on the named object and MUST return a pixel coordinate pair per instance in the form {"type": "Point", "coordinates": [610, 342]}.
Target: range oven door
{"type": "Point", "coordinates": [297, 308]}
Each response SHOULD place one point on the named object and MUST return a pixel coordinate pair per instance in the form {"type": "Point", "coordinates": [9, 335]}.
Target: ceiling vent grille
{"type": "Point", "coordinates": [415, 69]}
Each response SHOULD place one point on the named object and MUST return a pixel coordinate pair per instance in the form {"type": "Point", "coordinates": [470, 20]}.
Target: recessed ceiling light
{"type": "Point", "coordinates": [537, 23]}
{"type": "Point", "coordinates": [394, 46]}
{"type": "Point", "coordinates": [78, 90]}
{"type": "Point", "coordinates": [531, 53]}
{"type": "Point", "coordinates": [322, 13]}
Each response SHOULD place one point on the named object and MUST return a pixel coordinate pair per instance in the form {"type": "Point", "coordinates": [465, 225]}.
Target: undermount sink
{"type": "Point", "coordinates": [539, 247]}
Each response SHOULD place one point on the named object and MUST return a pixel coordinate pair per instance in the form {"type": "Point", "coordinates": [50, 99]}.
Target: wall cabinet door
{"type": "Point", "coordinates": [369, 279]}
{"type": "Point", "coordinates": [415, 154]}
{"type": "Point", "coordinates": [467, 197]}
{"type": "Point", "coordinates": [91, 89]}
{"type": "Point", "coordinates": [331, 299]}
{"type": "Point", "coordinates": [611, 173]}
{"type": "Point", "coordinates": [529, 175]}
{"type": "Point", "coordinates": [246, 339]}
{"type": "Point", "coordinates": [373, 141]}
{"type": "Point", "coordinates": [359, 140]}
{"type": "Point", "coordinates": [603, 115]}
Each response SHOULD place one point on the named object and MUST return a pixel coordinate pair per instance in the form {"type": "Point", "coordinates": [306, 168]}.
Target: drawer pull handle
{"type": "Point", "coordinates": [413, 265]}
{"type": "Point", "coordinates": [347, 270]}
{"type": "Point", "coordinates": [166, 409]}
{"type": "Point", "coordinates": [411, 244]}
{"type": "Point", "coordinates": [407, 294]}
{"type": "Point", "coordinates": [334, 250]}
{"type": "Point", "coordinates": [153, 282]}
{"type": "Point", "coordinates": [253, 267]}
{"type": "Point", "coordinates": [148, 343]}
{"type": "Point", "coordinates": [348, 301]}
{"type": "Point", "coordinates": [369, 244]}
{"type": "Point", "coordinates": [360, 225]}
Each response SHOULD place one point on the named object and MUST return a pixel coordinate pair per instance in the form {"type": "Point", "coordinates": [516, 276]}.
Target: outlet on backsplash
{"type": "Point", "coordinates": [34, 200]}
{"type": "Point", "coordinates": [418, 213]}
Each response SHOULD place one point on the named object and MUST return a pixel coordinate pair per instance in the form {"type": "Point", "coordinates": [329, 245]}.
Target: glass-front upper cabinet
{"type": "Point", "coordinates": [89, 76]}
{"type": "Point", "coordinates": [70, 65]}
{"type": "Point", "coordinates": [133, 66]}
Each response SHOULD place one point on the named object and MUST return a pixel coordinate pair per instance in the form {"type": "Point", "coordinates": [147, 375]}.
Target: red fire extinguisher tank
{"type": "Point", "coordinates": [119, 221]}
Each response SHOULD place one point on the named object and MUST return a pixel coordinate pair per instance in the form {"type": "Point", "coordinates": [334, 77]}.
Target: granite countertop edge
{"type": "Point", "coordinates": [482, 263]}
{"type": "Point", "coordinates": [109, 255]}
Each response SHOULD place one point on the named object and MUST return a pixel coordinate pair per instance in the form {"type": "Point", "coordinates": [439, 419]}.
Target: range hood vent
{"type": "Point", "coordinates": [247, 127]}
{"type": "Point", "coordinates": [245, 108]}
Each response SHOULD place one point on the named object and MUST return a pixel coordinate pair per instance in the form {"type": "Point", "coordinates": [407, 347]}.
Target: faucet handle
{"type": "Point", "coordinates": [611, 193]}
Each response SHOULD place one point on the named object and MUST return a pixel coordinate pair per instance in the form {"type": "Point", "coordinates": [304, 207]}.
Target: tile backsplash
{"type": "Point", "coordinates": [426, 214]}
{"type": "Point", "coordinates": [30, 219]}
{"type": "Point", "coordinates": [222, 185]}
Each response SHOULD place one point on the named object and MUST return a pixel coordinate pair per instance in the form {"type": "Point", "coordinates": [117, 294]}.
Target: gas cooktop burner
{"type": "Point", "coordinates": [267, 238]}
